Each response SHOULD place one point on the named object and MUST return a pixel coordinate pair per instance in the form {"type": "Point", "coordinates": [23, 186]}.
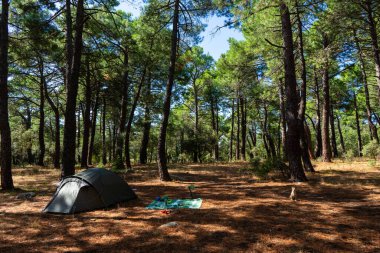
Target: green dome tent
{"type": "Point", "coordinates": [89, 190]}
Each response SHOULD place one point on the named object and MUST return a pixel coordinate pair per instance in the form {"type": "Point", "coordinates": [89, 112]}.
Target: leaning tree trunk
{"type": "Point", "coordinates": [130, 120]}
{"type": "Point", "coordinates": [357, 121]}
{"type": "Point", "coordinates": [68, 157]}
{"type": "Point", "coordinates": [161, 150]}
{"type": "Point", "coordinates": [326, 149]}
{"type": "Point", "coordinates": [333, 136]}
{"type": "Point", "coordinates": [372, 127]}
{"type": "Point", "coordinates": [374, 39]}
{"type": "Point", "coordinates": [293, 139]}
{"type": "Point", "coordinates": [341, 135]}
{"type": "Point", "coordinates": [86, 116]}
{"type": "Point", "coordinates": [302, 106]}
{"type": "Point", "coordinates": [6, 146]}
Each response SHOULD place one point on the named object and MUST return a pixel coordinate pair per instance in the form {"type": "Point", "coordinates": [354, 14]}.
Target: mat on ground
{"type": "Point", "coordinates": [160, 204]}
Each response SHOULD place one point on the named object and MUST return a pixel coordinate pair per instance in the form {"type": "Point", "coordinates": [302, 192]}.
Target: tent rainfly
{"type": "Point", "coordinates": [89, 190]}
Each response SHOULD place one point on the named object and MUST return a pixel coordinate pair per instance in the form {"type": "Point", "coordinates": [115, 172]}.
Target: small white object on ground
{"type": "Point", "coordinates": [169, 225]}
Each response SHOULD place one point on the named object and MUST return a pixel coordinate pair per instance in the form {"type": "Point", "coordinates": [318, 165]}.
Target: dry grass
{"type": "Point", "coordinates": [337, 211]}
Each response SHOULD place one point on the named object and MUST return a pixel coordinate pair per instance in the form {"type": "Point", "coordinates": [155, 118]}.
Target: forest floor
{"type": "Point", "coordinates": [338, 210]}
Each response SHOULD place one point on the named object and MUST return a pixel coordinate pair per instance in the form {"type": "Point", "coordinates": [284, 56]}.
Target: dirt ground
{"type": "Point", "coordinates": [338, 210]}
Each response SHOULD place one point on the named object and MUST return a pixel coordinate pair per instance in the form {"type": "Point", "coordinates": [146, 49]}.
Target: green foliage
{"type": "Point", "coordinates": [349, 155]}
{"type": "Point", "coordinates": [372, 150]}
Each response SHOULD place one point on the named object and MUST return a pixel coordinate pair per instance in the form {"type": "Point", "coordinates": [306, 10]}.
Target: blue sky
{"type": "Point", "coordinates": [214, 43]}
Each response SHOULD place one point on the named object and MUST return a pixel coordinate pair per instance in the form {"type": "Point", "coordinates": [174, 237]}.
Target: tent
{"type": "Point", "coordinates": [88, 190]}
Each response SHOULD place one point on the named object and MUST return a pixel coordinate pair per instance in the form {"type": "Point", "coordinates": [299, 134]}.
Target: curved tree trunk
{"type": "Point", "coordinates": [130, 120]}
{"type": "Point", "coordinates": [6, 146]}
{"type": "Point", "coordinates": [161, 150]}
{"type": "Point", "coordinates": [372, 127]}
{"type": "Point", "coordinates": [333, 135]}
{"type": "Point", "coordinates": [357, 121]}
{"type": "Point", "coordinates": [293, 139]}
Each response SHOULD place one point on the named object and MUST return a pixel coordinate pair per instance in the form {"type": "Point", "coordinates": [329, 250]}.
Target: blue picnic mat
{"type": "Point", "coordinates": [175, 204]}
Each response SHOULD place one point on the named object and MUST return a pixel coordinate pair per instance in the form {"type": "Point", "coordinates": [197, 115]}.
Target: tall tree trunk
{"type": "Point", "coordinates": [57, 131]}
{"type": "Point", "coordinates": [104, 144]}
{"type": "Point", "coordinates": [357, 121]}
{"type": "Point", "coordinates": [86, 116]}
{"type": "Point", "coordinates": [78, 136]}
{"type": "Point", "coordinates": [232, 130]}
{"type": "Point", "coordinates": [333, 136]}
{"type": "Point", "coordinates": [302, 106]}
{"type": "Point", "coordinates": [372, 127]}
{"type": "Point", "coordinates": [123, 112]}
{"type": "Point", "coordinates": [293, 139]}
{"type": "Point", "coordinates": [243, 128]}
{"type": "Point", "coordinates": [41, 127]}
{"type": "Point", "coordinates": [238, 129]}
{"type": "Point", "coordinates": [309, 142]}
{"type": "Point", "coordinates": [161, 150]}
{"type": "Point", "coordinates": [341, 135]}
{"type": "Point", "coordinates": [318, 146]}
{"type": "Point", "coordinates": [146, 125]}
{"type": "Point", "coordinates": [93, 129]}
{"type": "Point", "coordinates": [374, 39]}
{"type": "Point", "coordinates": [196, 126]}
{"type": "Point", "coordinates": [283, 120]}
{"type": "Point", "coordinates": [215, 128]}
{"type": "Point", "coordinates": [326, 149]}
{"type": "Point", "coordinates": [68, 157]}
{"type": "Point", "coordinates": [6, 146]}
{"type": "Point", "coordinates": [130, 120]}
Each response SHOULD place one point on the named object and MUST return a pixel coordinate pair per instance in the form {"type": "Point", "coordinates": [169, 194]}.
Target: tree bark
{"type": "Point", "coordinates": [146, 125]}
{"type": "Point", "coordinates": [57, 131]}
{"type": "Point", "coordinates": [372, 127]}
{"type": "Point", "coordinates": [341, 135]}
{"type": "Point", "coordinates": [283, 120]}
{"type": "Point", "coordinates": [41, 127]}
{"type": "Point", "coordinates": [104, 144]}
{"type": "Point", "coordinates": [123, 112]}
{"type": "Point", "coordinates": [326, 149]}
{"type": "Point", "coordinates": [86, 116]}
{"type": "Point", "coordinates": [232, 130]}
{"type": "Point", "coordinates": [237, 151]}
{"type": "Point", "coordinates": [68, 157]}
{"type": "Point", "coordinates": [93, 129]}
{"type": "Point", "coordinates": [318, 146]}
{"type": "Point", "coordinates": [161, 150]}
{"type": "Point", "coordinates": [293, 139]}
{"type": "Point", "coordinates": [130, 120]}
{"type": "Point", "coordinates": [333, 136]}
{"type": "Point", "coordinates": [357, 121]}
{"type": "Point", "coordinates": [374, 39]}
{"type": "Point", "coordinates": [302, 105]}
{"type": "Point", "coordinates": [196, 126]}
{"type": "Point", "coordinates": [5, 132]}
{"type": "Point", "coordinates": [243, 129]}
